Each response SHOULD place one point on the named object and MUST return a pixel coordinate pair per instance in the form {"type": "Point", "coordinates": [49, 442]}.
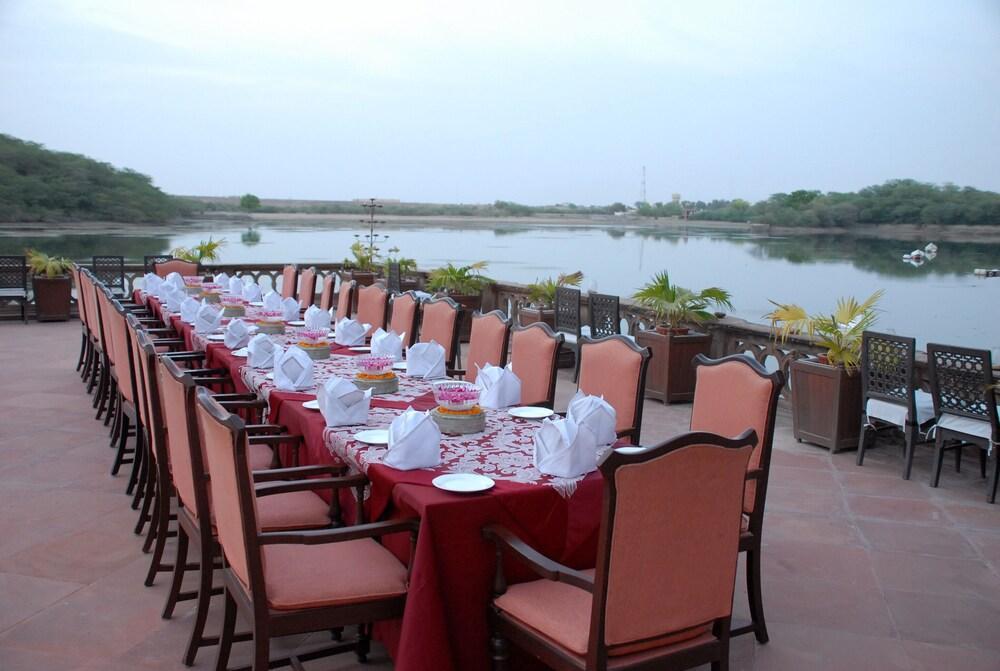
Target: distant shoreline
{"type": "Point", "coordinates": [914, 232]}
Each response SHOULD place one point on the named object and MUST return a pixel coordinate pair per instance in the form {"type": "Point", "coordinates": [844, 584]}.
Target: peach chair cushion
{"type": "Point", "coordinates": [307, 287]}
{"type": "Point", "coordinates": [730, 398]}
{"type": "Point", "coordinates": [288, 281]}
{"type": "Point", "coordinates": [185, 268]}
{"type": "Point", "coordinates": [292, 510]}
{"type": "Point", "coordinates": [611, 369]}
{"type": "Point", "coordinates": [217, 442]}
{"type": "Point", "coordinates": [439, 326]}
{"type": "Point", "coordinates": [175, 419]}
{"type": "Point", "coordinates": [326, 296]}
{"type": "Point", "coordinates": [404, 311]}
{"type": "Point", "coordinates": [260, 457]}
{"type": "Point", "coordinates": [372, 304]}
{"type": "Point", "coordinates": [107, 337]}
{"type": "Point", "coordinates": [532, 357]}
{"type": "Point", "coordinates": [486, 341]}
{"type": "Point", "coordinates": [674, 571]}
{"type": "Point", "coordinates": [310, 576]}
{"type": "Point", "coordinates": [561, 613]}
{"type": "Point", "coordinates": [343, 301]}
{"type": "Point", "coordinates": [120, 340]}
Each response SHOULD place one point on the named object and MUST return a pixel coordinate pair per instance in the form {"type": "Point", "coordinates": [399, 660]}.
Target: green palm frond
{"type": "Point", "coordinates": [679, 305]}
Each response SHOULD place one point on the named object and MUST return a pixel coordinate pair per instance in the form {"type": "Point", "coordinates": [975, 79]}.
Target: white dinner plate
{"type": "Point", "coordinates": [269, 376]}
{"type": "Point", "coordinates": [530, 412]}
{"type": "Point", "coordinates": [399, 365]}
{"type": "Point", "coordinates": [311, 405]}
{"type": "Point", "coordinates": [297, 322]}
{"type": "Point", "coordinates": [241, 352]}
{"type": "Point", "coordinates": [217, 337]}
{"type": "Point", "coordinates": [373, 436]}
{"type": "Point", "coordinates": [630, 449]}
{"type": "Point", "coordinates": [361, 348]}
{"type": "Point", "coordinates": [463, 483]}
{"type": "Point", "coordinates": [257, 304]}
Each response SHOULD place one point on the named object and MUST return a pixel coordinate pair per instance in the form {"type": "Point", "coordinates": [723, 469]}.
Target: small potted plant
{"type": "Point", "coordinates": [52, 284]}
{"type": "Point", "coordinates": [362, 266]}
{"type": "Point", "coordinates": [826, 389]}
{"type": "Point", "coordinates": [542, 298]}
{"type": "Point", "coordinates": [464, 285]}
{"type": "Point", "coordinates": [673, 345]}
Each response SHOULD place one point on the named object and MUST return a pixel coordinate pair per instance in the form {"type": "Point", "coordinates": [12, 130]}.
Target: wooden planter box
{"type": "Point", "coordinates": [671, 373]}
{"type": "Point", "coordinates": [528, 315]}
{"type": "Point", "coordinates": [52, 298]}
{"type": "Point", "coordinates": [362, 277]}
{"type": "Point", "coordinates": [826, 404]}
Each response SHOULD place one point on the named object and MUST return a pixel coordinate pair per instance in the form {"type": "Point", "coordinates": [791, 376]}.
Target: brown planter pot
{"type": "Point", "coordinates": [671, 373]}
{"type": "Point", "coordinates": [529, 315]}
{"type": "Point", "coordinates": [362, 277]}
{"type": "Point", "coordinates": [826, 404]}
{"type": "Point", "coordinates": [470, 303]}
{"type": "Point", "coordinates": [52, 298]}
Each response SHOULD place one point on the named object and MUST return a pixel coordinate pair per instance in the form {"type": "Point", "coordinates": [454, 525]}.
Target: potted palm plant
{"type": "Point", "coordinates": [542, 298]}
{"type": "Point", "coordinates": [52, 284]}
{"type": "Point", "coordinates": [363, 265]}
{"type": "Point", "coordinates": [673, 344]}
{"type": "Point", "coordinates": [464, 285]}
{"type": "Point", "coordinates": [826, 389]}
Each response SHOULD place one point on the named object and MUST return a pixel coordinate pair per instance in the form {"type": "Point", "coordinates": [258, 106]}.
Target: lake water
{"type": "Point", "coordinates": [941, 301]}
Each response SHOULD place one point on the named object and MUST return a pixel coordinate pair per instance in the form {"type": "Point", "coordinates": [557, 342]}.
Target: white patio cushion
{"type": "Point", "coordinates": [15, 292]}
{"type": "Point", "coordinates": [967, 425]}
{"type": "Point", "coordinates": [895, 413]}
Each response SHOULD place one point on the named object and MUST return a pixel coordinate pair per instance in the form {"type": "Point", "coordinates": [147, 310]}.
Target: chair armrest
{"type": "Point", "coordinates": [208, 381]}
{"type": "Point", "coordinates": [321, 536]}
{"type": "Point", "coordinates": [504, 539]}
{"type": "Point", "coordinates": [230, 405]}
{"type": "Point", "coordinates": [185, 356]}
{"type": "Point", "coordinates": [755, 474]}
{"type": "Point", "coordinates": [161, 342]}
{"type": "Point", "coordinates": [263, 429]}
{"type": "Point", "coordinates": [166, 330]}
{"type": "Point", "coordinates": [207, 371]}
{"type": "Point", "coordinates": [281, 474]}
{"type": "Point", "coordinates": [456, 372]}
{"type": "Point", "coordinates": [235, 397]}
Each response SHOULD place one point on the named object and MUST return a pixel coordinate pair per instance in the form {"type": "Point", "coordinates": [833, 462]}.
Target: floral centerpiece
{"type": "Point", "coordinates": [375, 373]}
{"type": "Point", "coordinates": [270, 321]}
{"type": "Point", "coordinates": [192, 284]}
{"type": "Point", "coordinates": [316, 343]}
{"type": "Point", "coordinates": [457, 398]}
{"type": "Point", "coordinates": [233, 306]}
{"type": "Point", "coordinates": [211, 292]}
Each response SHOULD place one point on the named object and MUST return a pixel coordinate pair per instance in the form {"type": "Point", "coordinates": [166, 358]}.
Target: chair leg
{"type": "Point", "coordinates": [938, 459]}
{"type": "Point", "coordinates": [204, 599]}
{"type": "Point", "coordinates": [910, 441]}
{"type": "Point", "coordinates": [120, 454]}
{"type": "Point", "coordinates": [226, 637]}
{"type": "Point", "coordinates": [499, 651]}
{"type": "Point", "coordinates": [177, 577]}
{"type": "Point", "coordinates": [159, 528]}
{"type": "Point", "coordinates": [754, 596]}
{"type": "Point", "coordinates": [982, 463]}
{"type": "Point", "coordinates": [958, 458]}
{"type": "Point", "coordinates": [102, 381]}
{"type": "Point", "coordinates": [114, 396]}
{"type": "Point", "coordinates": [149, 503]}
{"type": "Point", "coordinates": [83, 348]}
{"type": "Point", "coordinates": [862, 439]}
{"type": "Point", "coordinates": [116, 426]}
{"type": "Point", "coordinates": [261, 650]}
{"type": "Point", "coordinates": [991, 490]}
{"type": "Point", "coordinates": [155, 528]}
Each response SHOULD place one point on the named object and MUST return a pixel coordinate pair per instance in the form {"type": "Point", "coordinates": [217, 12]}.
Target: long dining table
{"type": "Point", "coordinates": [445, 622]}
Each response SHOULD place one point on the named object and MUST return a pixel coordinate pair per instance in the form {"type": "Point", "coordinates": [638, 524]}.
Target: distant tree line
{"type": "Point", "coordinates": [900, 201]}
{"type": "Point", "coordinates": [41, 185]}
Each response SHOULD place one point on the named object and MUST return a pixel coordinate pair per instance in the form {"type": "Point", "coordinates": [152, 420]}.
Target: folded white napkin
{"type": "Point", "coordinates": [262, 351]}
{"type": "Point", "coordinates": [350, 332]}
{"type": "Point", "coordinates": [596, 414]}
{"type": "Point", "coordinates": [189, 308]}
{"type": "Point", "coordinates": [221, 279]}
{"type": "Point", "coordinates": [208, 318]}
{"type": "Point", "coordinates": [317, 319]}
{"type": "Point", "coordinates": [501, 388]}
{"type": "Point", "coordinates": [342, 403]}
{"type": "Point", "coordinates": [387, 343]}
{"type": "Point", "coordinates": [272, 301]}
{"type": "Point", "coordinates": [162, 289]}
{"type": "Point", "coordinates": [565, 449]}
{"type": "Point", "coordinates": [235, 286]}
{"type": "Point", "coordinates": [289, 309]}
{"type": "Point", "coordinates": [293, 370]}
{"type": "Point", "coordinates": [237, 334]}
{"type": "Point", "coordinates": [175, 280]}
{"type": "Point", "coordinates": [251, 292]}
{"type": "Point", "coordinates": [151, 282]}
{"type": "Point", "coordinates": [173, 297]}
{"type": "Point", "coordinates": [426, 360]}
{"type": "Point", "coordinates": [414, 441]}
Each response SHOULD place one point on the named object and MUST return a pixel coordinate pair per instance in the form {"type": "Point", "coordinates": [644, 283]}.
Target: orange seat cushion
{"type": "Point", "coordinates": [260, 457]}
{"type": "Point", "coordinates": [311, 576]}
{"type": "Point", "coordinates": [561, 613]}
{"type": "Point", "coordinates": [292, 510]}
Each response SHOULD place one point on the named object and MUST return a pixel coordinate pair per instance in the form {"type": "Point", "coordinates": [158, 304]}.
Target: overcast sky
{"type": "Point", "coordinates": [537, 102]}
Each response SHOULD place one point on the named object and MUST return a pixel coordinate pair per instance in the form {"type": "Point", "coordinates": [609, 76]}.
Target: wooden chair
{"type": "Point", "coordinates": [345, 299]}
{"type": "Point", "coordinates": [534, 355]}
{"type": "Point", "coordinates": [82, 314]}
{"type": "Point", "coordinates": [110, 271]}
{"type": "Point", "coordinates": [661, 595]}
{"type": "Point", "coordinates": [149, 262]}
{"type": "Point", "coordinates": [289, 281]}
{"type": "Point", "coordinates": [326, 295]}
{"type": "Point", "coordinates": [615, 368]}
{"type": "Point", "coordinates": [405, 315]}
{"type": "Point", "coordinates": [442, 321]}
{"type": "Point", "coordinates": [373, 303]}
{"type": "Point", "coordinates": [14, 282]}
{"type": "Point", "coordinates": [307, 287]}
{"type": "Point", "coordinates": [605, 316]}
{"type": "Point", "coordinates": [489, 341]}
{"type": "Point", "coordinates": [180, 266]}
{"type": "Point", "coordinates": [288, 583]}
{"type": "Point", "coordinates": [965, 407]}
{"type": "Point", "coordinates": [394, 280]}
{"type": "Point", "coordinates": [732, 394]}
{"type": "Point", "coordinates": [889, 395]}
{"type": "Point", "coordinates": [567, 317]}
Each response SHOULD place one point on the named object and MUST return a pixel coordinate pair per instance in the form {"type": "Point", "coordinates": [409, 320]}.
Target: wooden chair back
{"type": "Point", "coordinates": [405, 314]}
{"type": "Point", "coordinates": [326, 295]}
{"type": "Point", "coordinates": [345, 299]}
{"type": "Point", "coordinates": [13, 274]}
{"type": "Point", "coordinates": [961, 383]}
{"type": "Point", "coordinates": [289, 281]}
{"type": "Point", "coordinates": [534, 355]}
{"type": "Point", "coordinates": [489, 340]}
{"type": "Point", "coordinates": [615, 367]}
{"type": "Point", "coordinates": [110, 270]}
{"type": "Point", "coordinates": [394, 278]}
{"type": "Point", "coordinates": [179, 266]}
{"type": "Point", "coordinates": [888, 363]}
{"type": "Point", "coordinates": [605, 316]}
{"type": "Point", "coordinates": [307, 287]}
{"type": "Point", "coordinates": [149, 261]}
{"type": "Point", "coordinates": [442, 319]}
{"type": "Point", "coordinates": [567, 317]}
{"type": "Point", "coordinates": [373, 303]}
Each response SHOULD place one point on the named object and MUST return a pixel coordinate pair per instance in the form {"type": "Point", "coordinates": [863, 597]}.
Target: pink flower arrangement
{"type": "Point", "coordinates": [270, 315]}
{"type": "Point", "coordinates": [375, 365]}
{"type": "Point", "coordinates": [456, 395]}
{"type": "Point", "coordinates": [192, 280]}
{"type": "Point", "coordinates": [230, 300]}
{"type": "Point", "coordinates": [313, 337]}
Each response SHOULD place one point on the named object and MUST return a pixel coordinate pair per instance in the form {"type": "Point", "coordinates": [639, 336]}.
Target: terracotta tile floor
{"type": "Point", "coordinates": [862, 570]}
